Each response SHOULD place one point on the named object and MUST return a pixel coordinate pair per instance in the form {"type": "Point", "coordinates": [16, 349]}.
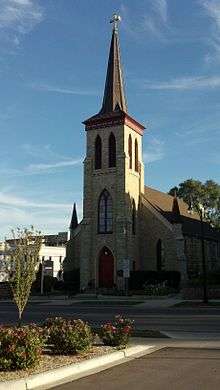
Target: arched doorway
{"type": "Point", "coordinates": [106, 268]}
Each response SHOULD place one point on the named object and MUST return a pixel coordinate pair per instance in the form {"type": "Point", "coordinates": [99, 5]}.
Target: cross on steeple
{"type": "Point", "coordinates": [114, 96]}
{"type": "Point", "coordinates": [115, 19]}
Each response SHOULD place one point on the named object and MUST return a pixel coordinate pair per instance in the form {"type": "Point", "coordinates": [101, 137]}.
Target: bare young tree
{"type": "Point", "coordinates": [23, 260]}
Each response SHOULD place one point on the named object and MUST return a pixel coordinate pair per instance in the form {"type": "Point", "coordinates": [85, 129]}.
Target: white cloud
{"type": "Point", "coordinates": [57, 89]}
{"type": "Point", "coordinates": [47, 217]}
{"type": "Point", "coordinates": [152, 18]}
{"type": "Point", "coordinates": [157, 18]}
{"type": "Point", "coordinates": [38, 168]}
{"type": "Point", "coordinates": [17, 18]}
{"type": "Point", "coordinates": [54, 161]}
{"type": "Point", "coordinates": [212, 10]}
{"type": "Point", "coordinates": [184, 83]}
{"type": "Point", "coordinates": [13, 200]}
{"type": "Point", "coordinates": [154, 151]}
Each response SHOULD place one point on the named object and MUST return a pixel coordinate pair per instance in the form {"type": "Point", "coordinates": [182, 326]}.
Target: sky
{"type": "Point", "coordinates": [53, 58]}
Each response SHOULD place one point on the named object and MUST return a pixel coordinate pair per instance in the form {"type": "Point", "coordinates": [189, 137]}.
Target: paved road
{"type": "Point", "coordinates": [169, 368]}
{"type": "Point", "coordinates": [176, 321]}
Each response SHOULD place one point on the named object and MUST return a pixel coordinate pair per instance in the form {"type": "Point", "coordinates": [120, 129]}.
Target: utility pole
{"type": "Point", "coordinates": [200, 209]}
{"type": "Point", "coordinates": [42, 277]}
{"type": "Point", "coordinates": [204, 268]}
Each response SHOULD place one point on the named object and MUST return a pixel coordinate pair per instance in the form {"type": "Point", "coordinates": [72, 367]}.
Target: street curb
{"type": "Point", "coordinates": [74, 371]}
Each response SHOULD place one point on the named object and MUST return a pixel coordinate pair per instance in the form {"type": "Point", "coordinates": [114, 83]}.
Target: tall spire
{"type": "Point", "coordinates": [74, 219]}
{"type": "Point", "coordinates": [176, 209]}
{"type": "Point", "coordinates": [114, 96]}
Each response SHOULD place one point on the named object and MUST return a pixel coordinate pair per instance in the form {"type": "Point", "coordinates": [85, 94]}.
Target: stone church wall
{"type": "Point", "coordinates": [193, 250]}
{"type": "Point", "coordinates": [152, 228]}
{"type": "Point", "coordinates": [72, 259]}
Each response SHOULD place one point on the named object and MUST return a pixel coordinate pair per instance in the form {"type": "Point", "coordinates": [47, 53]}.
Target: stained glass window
{"type": "Point", "coordinates": [105, 214]}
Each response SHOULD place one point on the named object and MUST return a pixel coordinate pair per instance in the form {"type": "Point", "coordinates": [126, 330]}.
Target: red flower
{"type": "Point", "coordinates": [127, 329]}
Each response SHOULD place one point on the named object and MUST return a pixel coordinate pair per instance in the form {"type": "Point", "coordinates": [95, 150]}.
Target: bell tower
{"type": "Point", "coordinates": [113, 183]}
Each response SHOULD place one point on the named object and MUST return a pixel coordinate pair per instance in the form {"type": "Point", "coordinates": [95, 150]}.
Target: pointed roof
{"type": "Point", "coordinates": [114, 106]}
{"type": "Point", "coordinates": [176, 209]}
{"type": "Point", "coordinates": [191, 225]}
{"type": "Point", "coordinates": [114, 95]}
{"type": "Point", "coordinates": [74, 219]}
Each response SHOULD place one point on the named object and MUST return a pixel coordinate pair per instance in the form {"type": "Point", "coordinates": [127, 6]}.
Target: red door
{"type": "Point", "coordinates": [106, 268]}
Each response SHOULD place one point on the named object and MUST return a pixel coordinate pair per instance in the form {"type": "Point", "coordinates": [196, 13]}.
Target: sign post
{"type": "Point", "coordinates": [126, 273]}
{"type": "Point", "coordinates": [42, 278]}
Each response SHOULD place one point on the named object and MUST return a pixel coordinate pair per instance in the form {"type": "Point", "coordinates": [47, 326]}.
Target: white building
{"type": "Point", "coordinates": [52, 257]}
{"type": "Point", "coordinates": [3, 262]}
{"type": "Point", "coordinates": [52, 254]}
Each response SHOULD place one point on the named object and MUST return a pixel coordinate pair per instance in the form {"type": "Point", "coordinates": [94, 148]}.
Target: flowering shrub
{"type": "Point", "coordinates": [116, 334]}
{"type": "Point", "coordinates": [20, 347]}
{"type": "Point", "coordinates": [157, 289]}
{"type": "Point", "coordinates": [68, 337]}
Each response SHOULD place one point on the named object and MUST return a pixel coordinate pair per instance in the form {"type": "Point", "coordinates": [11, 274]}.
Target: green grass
{"type": "Point", "coordinates": [108, 303]}
{"type": "Point", "coordinates": [148, 333]}
{"type": "Point", "coordinates": [197, 304]}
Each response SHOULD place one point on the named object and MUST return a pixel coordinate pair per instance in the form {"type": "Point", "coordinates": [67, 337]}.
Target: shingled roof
{"type": "Point", "coordinates": [166, 205]}
{"type": "Point", "coordinates": [114, 101]}
{"type": "Point", "coordinates": [114, 95]}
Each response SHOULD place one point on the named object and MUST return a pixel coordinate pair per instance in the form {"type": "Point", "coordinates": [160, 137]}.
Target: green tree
{"type": "Point", "coordinates": [207, 194]}
{"type": "Point", "coordinates": [23, 261]}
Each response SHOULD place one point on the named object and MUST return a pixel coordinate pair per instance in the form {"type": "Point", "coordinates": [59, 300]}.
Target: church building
{"type": "Point", "coordinates": [127, 226]}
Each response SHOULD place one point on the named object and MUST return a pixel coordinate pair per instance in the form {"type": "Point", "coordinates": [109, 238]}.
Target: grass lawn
{"type": "Point", "coordinates": [150, 333]}
{"type": "Point", "coordinates": [197, 304]}
{"type": "Point", "coordinates": [108, 303]}
{"type": "Point", "coordinates": [154, 334]}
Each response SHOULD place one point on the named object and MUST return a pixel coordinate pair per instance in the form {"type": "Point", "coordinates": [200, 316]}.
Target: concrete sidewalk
{"type": "Point", "coordinates": [147, 302]}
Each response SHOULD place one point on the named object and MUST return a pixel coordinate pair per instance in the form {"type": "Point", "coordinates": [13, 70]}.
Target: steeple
{"type": "Point", "coordinates": [114, 96]}
{"type": "Point", "coordinates": [176, 209]}
{"type": "Point", "coordinates": [114, 107]}
{"type": "Point", "coordinates": [74, 219]}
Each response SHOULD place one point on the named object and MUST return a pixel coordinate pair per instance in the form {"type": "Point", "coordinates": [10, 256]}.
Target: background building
{"type": "Point", "coordinates": [52, 252]}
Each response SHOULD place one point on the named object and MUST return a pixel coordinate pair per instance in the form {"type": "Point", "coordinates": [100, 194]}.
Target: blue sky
{"type": "Point", "coordinates": [53, 56]}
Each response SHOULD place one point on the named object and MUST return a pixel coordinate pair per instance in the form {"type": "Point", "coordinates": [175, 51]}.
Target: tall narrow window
{"type": "Point", "coordinates": [105, 215]}
{"type": "Point", "coordinates": [136, 155]}
{"type": "Point", "coordinates": [130, 151]}
{"type": "Point", "coordinates": [111, 151]}
{"type": "Point", "coordinates": [133, 218]}
{"type": "Point", "coordinates": [98, 153]}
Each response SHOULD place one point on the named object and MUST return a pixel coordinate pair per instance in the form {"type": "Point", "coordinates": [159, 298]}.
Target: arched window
{"type": "Point", "coordinates": [136, 155]}
{"type": "Point", "coordinates": [133, 218]}
{"type": "Point", "coordinates": [98, 153]}
{"type": "Point", "coordinates": [105, 214]}
{"type": "Point", "coordinates": [130, 151]}
{"type": "Point", "coordinates": [111, 151]}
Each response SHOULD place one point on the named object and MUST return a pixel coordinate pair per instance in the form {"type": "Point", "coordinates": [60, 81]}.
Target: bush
{"type": "Point", "coordinates": [49, 282]}
{"type": "Point", "coordinates": [59, 285]}
{"type": "Point", "coordinates": [116, 334]}
{"type": "Point", "coordinates": [213, 279]}
{"type": "Point", "coordinates": [157, 290]}
{"type": "Point", "coordinates": [140, 278]}
{"type": "Point", "coordinates": [20, 347]}
{"type": "Point", "coordinates": [68, 337]}
{"type": "Point", "coordinates": [72, 281]}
